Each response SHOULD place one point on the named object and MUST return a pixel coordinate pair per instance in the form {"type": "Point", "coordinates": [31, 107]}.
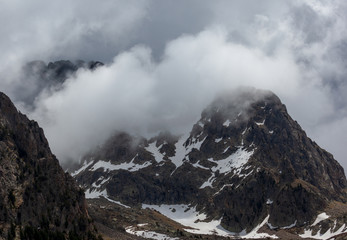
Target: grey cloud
{"type": "Point", "coordinates": [167, 20]}
{"type": "Point", "coordinates": [310, 24]}
{"type": "Point", "coordinates": [71, 29]}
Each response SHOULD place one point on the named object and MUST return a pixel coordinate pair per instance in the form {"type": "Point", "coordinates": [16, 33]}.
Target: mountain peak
{"type": "Point", "coordinates": [245, 162]}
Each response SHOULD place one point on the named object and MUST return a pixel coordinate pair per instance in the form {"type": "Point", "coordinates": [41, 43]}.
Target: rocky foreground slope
{"type": "Point", "coordinates": [38, 200]}
{"type": "Point", "coordinates": [246, 169]}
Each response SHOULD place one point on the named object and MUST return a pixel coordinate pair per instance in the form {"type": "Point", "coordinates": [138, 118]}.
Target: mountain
{"type": "Point", "coordinates": [245, 169]}
{"type": "Point", "coordinates": [39, 76]}
{"type": "Point", "coordinates": [57, 71]}
{"type": "Point", "coordinates": [38, 200]}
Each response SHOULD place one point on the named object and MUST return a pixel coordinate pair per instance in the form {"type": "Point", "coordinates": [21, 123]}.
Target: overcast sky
{"type": "Point", "coordinates": [166, 60]}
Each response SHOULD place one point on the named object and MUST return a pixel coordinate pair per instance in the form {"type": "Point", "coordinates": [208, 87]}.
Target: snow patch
{"type": "Point", "coordinates": [247, 174]}
{"type": "Point", "coordinates": [201, 124]}
{"type": "Point", "coordinates": [190, 217]}
{"type": "Point", "coordinates": [131, 166]}
{"type": "Point", "coordinates": [180, 153]}
{"type": "Point", "coordinates": [221, 189]}
{"type": "Point", "coordinates": [320, 218]}
{"type": "Point", "coordinates": [195, 143]}
{"type": "Point", "coordinates": [148, 234]}
{"type": "Point", "coordinates": [327, 235]}
{"type": "Point", "coordinates": [117, 202]}
{"type": "Point", "coordinates": [234, 162]}
{"type": "Point", "coordinates": [269, 201]}
{"type": "Point", "coordinates": [271, 226]}
{"type": "Point", "coordinates": [84, 167]}
{"type": "Point", "coordinates": [103, 181]}
{"type": "Point", "coordinates": [158, 156]}
{"type": "Point", "coordinates": [254, 233]}
{"type": "Point", "coordinates": [97, 194]}
{"type": "Point", "coordinates": [226, 123]}
{"type": "Point", "coordinates": [197, 165]}
{"type": "Point", "coordinates": [142, 224]}
{"type": "Point", "coordinates": [285, 227]}
{"type": "Point", "coordinates": [226, 149]}
{"type": "Point", "coordinates": [209, 182]}
{"type": "Point", "coordinates": [260, 123]}
{"type": "Point", "coordinates": [290, 226]}
{"type": "Point", "coordinates": [218, 140]}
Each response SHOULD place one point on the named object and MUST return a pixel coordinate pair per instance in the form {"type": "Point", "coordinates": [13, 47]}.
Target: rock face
{"type": "Point", "coordinates": [37, 198]}
{"type": "Point", "coordinates": [244, 161]}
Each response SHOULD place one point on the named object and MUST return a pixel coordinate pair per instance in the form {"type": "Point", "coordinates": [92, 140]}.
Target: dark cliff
{"type": "Point", "coordinates": [37, 198]}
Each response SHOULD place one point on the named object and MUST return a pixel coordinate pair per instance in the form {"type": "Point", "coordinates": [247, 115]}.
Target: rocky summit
{"type": "Point", "coordinates": [38, 200]}
{"type": "Point", "coordinates": [245, 170]}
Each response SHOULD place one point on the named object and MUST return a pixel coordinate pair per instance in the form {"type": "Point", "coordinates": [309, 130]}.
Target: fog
{"type": "Point", "coordinates": [165, 61]}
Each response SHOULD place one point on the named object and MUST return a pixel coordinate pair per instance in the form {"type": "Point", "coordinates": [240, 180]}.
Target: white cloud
{"type": "Point", "coordinates": [295, 48]}
{"type": "Point", "coordinates": [138, 95]}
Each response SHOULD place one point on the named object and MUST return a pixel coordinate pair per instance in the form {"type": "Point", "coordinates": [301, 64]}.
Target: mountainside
{"type": "Point", "coordinates": [245, 165]}
{"type": "Point", "coordinates": [38, 200]}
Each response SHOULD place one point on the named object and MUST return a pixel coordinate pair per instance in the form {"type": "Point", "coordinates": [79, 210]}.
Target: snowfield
{"type": "Point", "coordinates": [189, 217]}
{"type": "Point", "coordinates": [327, 235]}
{"type": "Point", "coordinates": [330, 233]}
{"type": "Point", "coordinates": [196, 221]}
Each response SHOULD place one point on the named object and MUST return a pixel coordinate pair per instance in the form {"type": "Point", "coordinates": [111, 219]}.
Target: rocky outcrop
{"type": "Point", "coordinates": [37, 198]}
{"type": "Point", "coordinates": [244, 161]}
